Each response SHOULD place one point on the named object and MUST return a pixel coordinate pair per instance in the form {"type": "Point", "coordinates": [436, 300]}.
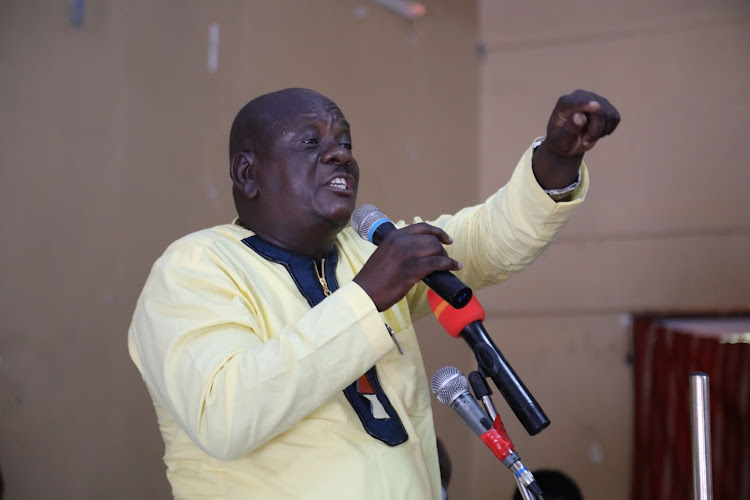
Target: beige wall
{"type": "Point", "coordinates": [113, 142]}
{"type": "Point", "coordinates": [665, 223]}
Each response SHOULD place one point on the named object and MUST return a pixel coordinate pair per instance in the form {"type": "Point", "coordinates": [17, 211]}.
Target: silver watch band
{"type": "Point", "coordinates": [558, 194]}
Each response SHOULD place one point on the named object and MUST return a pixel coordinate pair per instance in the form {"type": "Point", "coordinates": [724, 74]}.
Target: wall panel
{"type": "Point", "coordinates": [663, 226]}
{"type": "Point", "coordinates": [113, 143]}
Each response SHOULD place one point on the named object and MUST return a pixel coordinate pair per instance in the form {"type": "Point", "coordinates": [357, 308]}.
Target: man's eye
{"type": "Point", "coordinates": [347, 145]}
{"type": "Point", "coordinates": [310, 141]}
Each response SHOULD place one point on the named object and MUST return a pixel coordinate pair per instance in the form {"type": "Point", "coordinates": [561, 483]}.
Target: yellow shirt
{"type": "Point", "coordinates": [247, 377]}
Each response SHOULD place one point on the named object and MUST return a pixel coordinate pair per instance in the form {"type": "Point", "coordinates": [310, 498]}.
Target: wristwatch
{"type": "Point", "coordinates": [562, 193]}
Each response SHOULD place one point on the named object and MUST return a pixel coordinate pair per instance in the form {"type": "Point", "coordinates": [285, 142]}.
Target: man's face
{"type": "Point", "coordinates": [307, 173]}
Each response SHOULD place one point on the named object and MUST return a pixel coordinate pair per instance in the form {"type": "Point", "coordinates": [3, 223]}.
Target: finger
{"type": "Point", "coordinates": [594, 130]}
{"type": "Point", "coordinates": [446, 264]}
{"type": "Point", "coordinates": [419, 245]}
{"type": "Point", "coordinates": [613, 120]}
{"type": "Point", "coordinates": [580, 100]}
{"type": "Point", "coordinates": [568, 125]}
{"type": "Point", "coordinates": [424, 228]}
{"type": "Point", "coordinates": [611, 117]}
{"type": "Point", "coordinates": [572, 114]}
{"type": "Point", "coordinates": [424, 252]}
{"type": "Point", "coordinates": [436, 263]}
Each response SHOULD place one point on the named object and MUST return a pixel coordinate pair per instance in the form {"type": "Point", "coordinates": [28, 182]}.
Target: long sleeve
{"type": "Point", "coordinates": [205, 350]}
{"type": "Point", "coordinates": [498, 238]}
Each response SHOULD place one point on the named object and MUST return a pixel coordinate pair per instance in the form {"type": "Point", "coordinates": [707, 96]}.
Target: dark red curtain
{"type": "Point", "coordinates": [662, 457]}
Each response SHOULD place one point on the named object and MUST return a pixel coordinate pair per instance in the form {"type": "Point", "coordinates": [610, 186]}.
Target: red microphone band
{"type": "Point", "coordinates": [498, 443]}
{"type": "Point", "coordinates": [454, 320]}
{"type": "Point", "coordinates": [500, 428]}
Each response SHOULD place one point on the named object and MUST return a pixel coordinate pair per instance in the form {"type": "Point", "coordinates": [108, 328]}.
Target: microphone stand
{"type": "Point", "coordinates": [525, 493]}
{"type": "Point", "coordinates": [523, 477]}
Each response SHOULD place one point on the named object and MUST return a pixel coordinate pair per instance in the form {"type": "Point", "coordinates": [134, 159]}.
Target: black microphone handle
{"type": "Point", "coordinates": [446, 285]}
{"type": "Point", "coordinates": [494, 365]}
{"type": "Point", "coordinates": [449, 288]}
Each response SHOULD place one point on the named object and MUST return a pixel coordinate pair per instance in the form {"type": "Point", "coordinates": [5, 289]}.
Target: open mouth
{"type": "Point", "coordinates": [339, 184]}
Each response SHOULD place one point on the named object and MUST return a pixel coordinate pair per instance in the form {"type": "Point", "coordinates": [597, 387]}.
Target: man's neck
{"type": "Point", "coordinates": [311, 243]}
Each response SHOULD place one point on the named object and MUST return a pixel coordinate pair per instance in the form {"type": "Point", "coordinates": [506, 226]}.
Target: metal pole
{"type": "Point", "coordinates": [525, 494]}
{"type": "Point", "coordinates": [701, 429]}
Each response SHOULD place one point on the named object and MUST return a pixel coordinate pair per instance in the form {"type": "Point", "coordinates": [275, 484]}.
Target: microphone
{"type": "Point", "coordinates": [373, 225]}
{"type": "Point", "coordinates": [467, 324]}
{"type": "Point", "coordinates": [451, 388]}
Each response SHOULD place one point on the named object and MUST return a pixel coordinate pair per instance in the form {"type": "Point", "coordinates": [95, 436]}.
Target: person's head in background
{"type": "Point", "coordinates": [556, 485]}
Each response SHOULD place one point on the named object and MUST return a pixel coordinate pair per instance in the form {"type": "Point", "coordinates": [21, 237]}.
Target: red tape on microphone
{"type": "Point", "coordinates": [454, 320]}
{"type": "Point", "coordinates": [500, 428]}
{"type": "Point", "coordinates": [500, 446]}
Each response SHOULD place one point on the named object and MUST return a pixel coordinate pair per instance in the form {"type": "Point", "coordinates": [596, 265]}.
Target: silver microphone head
{"type": "Point", "coordinates": [363, 219]}
{"type": "Point", "coordinates": [448, 383]}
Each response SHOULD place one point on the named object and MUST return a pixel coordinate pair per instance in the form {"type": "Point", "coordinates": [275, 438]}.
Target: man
{"type": "Point", "coordinates": [279, 349]}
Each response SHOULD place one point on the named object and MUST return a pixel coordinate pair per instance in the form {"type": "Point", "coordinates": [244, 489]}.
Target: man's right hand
{"type": "Point", "coordinates": [402, 259]}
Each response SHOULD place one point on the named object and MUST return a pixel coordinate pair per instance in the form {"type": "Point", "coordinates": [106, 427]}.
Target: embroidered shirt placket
{"type": "Point", "coordinates": [322, 278]}
{"type": "Point", "coordinates": [381, 422]}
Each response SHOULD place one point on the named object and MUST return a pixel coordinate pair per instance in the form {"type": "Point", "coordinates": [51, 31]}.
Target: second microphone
{"type": "Point", "coordinates": [373, 225]}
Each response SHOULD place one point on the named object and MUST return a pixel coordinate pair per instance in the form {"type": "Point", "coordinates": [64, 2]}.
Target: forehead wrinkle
{"type": "Point", "coordinates": [313, 119]}
{"type": "Point", "coordinates": [271, 115]}
{"type": "Point", "coordinates": [285, 113]}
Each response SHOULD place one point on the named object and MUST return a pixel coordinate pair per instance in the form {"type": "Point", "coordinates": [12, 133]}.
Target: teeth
{"type": "Point", "coordinates": [338, 183]}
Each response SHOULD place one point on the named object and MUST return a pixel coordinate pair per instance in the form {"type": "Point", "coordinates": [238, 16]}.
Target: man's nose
{"type": "Point", "coordinates": [337, 154]}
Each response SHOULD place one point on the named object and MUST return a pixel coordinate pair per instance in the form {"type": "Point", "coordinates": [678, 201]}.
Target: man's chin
{"type": "Point", "coordinates": [340, 218]}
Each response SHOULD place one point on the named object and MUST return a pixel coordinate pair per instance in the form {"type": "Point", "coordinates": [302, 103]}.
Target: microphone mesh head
{"type": "Point", "coordinates": [363, 219]}
{"type": "Point", "coordinates": [448, 383]}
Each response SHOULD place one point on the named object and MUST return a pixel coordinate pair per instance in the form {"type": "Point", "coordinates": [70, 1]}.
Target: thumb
{"type": "Point", "coordinates": [567, 123]}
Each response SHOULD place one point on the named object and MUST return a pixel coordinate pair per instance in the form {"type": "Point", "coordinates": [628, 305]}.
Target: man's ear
{"type": "Point", "coordinates": [242, 171]}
